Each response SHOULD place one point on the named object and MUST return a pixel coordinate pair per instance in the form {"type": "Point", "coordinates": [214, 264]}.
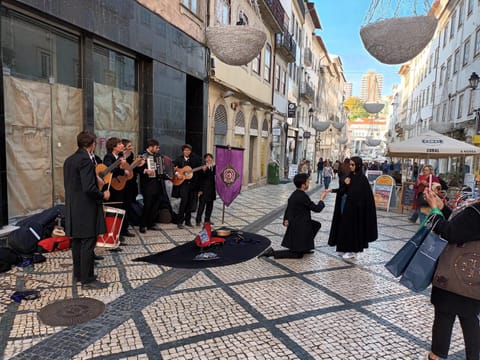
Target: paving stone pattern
{"type": "Point", "coordinates": [319, 307]}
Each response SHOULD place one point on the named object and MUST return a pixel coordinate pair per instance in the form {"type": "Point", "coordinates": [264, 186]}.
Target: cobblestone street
{"type": "Point", "coordinates": [318, 307]}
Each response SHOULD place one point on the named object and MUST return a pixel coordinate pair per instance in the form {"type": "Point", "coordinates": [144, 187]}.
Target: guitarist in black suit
{"type": "Point", "coordinates": [84, 218]}
{"type": "Point", "coordinates": [187, 190]}
{"type": "Point", "coordinates": [115, 149]}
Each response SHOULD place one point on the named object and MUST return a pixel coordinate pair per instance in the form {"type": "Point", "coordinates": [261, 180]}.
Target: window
{"type": "Point", "coordinates": [433, 93]}
{"type": "Point", "coordinates": [256, 63]}
{"type": "Point", "coordinates": [192, 5]}
{"type": "Point", "coordinates": [460, 14]}
{"type": "Point", "coordinates": [442, 74]}
{"type": "Point", "coordinates": [223, 12]}
{"type": "Point", "coordinates": [220, 129]}
{"type": "Point", "coordinates": [283, 82]}
{"type": "Point", "coordinates": [460, 105]}
{"type": "Point", "coordinates": [470, 102]}
{"type": "Point", "coordinates": [456, 61]}
{"type": "Point", "coordinates": [477, 42]}
{"type": "Point", "coordinates": [444, 112]}
{"type": "Point", "coordinates": [445, 35]}
{"type": "Point", "coordinates": [277, 77]}
{"type": "Point", "coordinates": [448, 69]}
{"type": "Point", "coordinates": [436, 57]}
{"type": "Point", "coordinates": [268, 63]}
{"type": "Point", "coordinates": [452, 25]}
{"type": "Point", "coordinates": [466, 52]}
{"type": "Point", "coordinates": [469, 7]}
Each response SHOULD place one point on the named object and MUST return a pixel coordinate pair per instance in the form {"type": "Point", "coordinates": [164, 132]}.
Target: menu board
{"type": "Point", "coordinates": [407, 195]}
{"type": "Point", "coordinates": [372, 175]}
{"type": "Point", "coordinates": [382, 191]}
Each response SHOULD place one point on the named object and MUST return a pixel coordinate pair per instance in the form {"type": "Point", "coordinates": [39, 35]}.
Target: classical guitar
{"type": "Point", "coordinates": [104, 172]}
{"type": "Point", "coordinates": [182, 174]}
{"type": "Point", "coordinates": [119, 182]}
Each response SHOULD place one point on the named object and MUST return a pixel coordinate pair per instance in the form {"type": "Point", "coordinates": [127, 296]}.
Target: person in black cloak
{"type": "Point", "coordinates": [354, 222]}
{"type": "Point", "coordinates": [301, 229]}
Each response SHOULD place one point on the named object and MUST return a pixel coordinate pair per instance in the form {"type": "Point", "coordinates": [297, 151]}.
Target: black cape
{"type": "Point", "coordinates": [301, 229]}
{"type": "Point", "coordinates": [352, 230]}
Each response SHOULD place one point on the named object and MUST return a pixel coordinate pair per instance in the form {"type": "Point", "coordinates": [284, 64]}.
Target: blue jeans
{"type": "Point", "coordinates": [319, 177]}
{"type": "Point", "coordinates": [327, 180]}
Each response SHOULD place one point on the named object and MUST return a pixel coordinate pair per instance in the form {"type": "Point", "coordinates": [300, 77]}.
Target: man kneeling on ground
{"type": "Point", "coordinates": [301, 229]}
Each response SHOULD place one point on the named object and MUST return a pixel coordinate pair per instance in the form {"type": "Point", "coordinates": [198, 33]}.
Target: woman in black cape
{"type": "Point", "coordinates": [354, 222]}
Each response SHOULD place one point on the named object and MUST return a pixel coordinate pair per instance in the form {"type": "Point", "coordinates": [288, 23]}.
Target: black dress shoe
{"type": "Point", "coordinates": [127, 234]}
{"type": "Point", "coordinates": [198, 223]}
{"type": "Point", "coordinates": [268, 252]}
{"type": "Point", "coordinates": [94, 285]}
{"type": "Point", "coordinates": [180, 226]}
{"type": "Point", "coordinates": [154, 227]}
{"type": "Point", "coordinates": [97, 257]}
{"type": "Point", "coordinates": [189, 224]}
{"type": "Point", "coordinates": [142, 229]}
{"type": "Point", "coordinates": [77, 279]}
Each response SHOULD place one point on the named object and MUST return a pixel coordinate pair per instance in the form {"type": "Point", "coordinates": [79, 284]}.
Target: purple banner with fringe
{"type": "Point", "coordinates": [228, 172]}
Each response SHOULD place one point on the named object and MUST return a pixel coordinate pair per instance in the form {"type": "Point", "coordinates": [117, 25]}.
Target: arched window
{"type": "Point", "coordinates": [220, 130]}
{"type": "Point", "coordinates": [254, 126]}
{"type": "Point", "coordinates": [265, 128]}
{"type": "Point", "coordinates": [239, 129]}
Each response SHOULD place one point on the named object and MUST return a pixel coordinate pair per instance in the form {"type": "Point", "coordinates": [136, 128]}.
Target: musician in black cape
{"type": "Point", "coordinates": [301, 229]}
{"type": "Point", "coordinates": [354, 223]}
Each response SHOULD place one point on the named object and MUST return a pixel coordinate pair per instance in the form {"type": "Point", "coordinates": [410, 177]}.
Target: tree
{"type": "Point", "coordinates": [355, 108]}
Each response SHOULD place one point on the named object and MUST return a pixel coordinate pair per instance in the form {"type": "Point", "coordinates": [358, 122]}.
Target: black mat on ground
{"type": "Point", "coordinates": [236, 249]}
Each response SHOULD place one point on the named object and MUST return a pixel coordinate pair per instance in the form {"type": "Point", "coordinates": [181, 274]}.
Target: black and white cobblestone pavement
{"type": "Point", "coordinates": [319, 307]}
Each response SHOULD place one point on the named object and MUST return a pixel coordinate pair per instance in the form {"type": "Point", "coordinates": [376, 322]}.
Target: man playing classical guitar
{"type": "Point", "coordinates": [187, 190]}
{"type": "Point", "coordinates": [115, 150]}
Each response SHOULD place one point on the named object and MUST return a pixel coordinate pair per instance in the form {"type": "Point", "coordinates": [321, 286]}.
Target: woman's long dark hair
{"type": "Point", "coordinates": [358, 164]}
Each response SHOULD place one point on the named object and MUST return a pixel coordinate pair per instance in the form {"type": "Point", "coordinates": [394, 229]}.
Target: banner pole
{"type": "Point", "coordinates": [223, 213]}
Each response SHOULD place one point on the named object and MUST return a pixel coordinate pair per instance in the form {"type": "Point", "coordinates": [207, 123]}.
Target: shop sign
{"type": "Point", "coordinates": [292, 110]}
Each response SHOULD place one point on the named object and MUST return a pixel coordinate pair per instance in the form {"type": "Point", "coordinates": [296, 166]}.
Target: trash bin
{"type": "Point", "coordinates": [273, 176]}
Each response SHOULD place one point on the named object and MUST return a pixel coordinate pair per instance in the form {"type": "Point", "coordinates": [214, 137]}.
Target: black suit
{"type": "Point", "coordinates": [186, 191]}
{"type": "Point", "coordinates": [84, 218]}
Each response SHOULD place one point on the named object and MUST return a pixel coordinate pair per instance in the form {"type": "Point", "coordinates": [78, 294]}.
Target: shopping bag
{"type": "Point", "coordinates": [398, 263]}
{"type": "Point", "coordinates": [419, 272]}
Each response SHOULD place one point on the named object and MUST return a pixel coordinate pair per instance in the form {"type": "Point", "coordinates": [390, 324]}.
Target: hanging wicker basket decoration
{"type": "Point", "coordinates": [338, 125]}
{"type": "Point", "coordinates": [235, 44]}
{"type": "Point", "coordinates": [342, 140]}
{"type": "Point", "coordinates": [409, 127]}
{"type": "Point", "coordinates": [397, 40]}
{"type": "Point", "coordinates": [373, 108]}
{"type": "Point", "coordinates": [370, 141]}
{"type": "Point", "coordinates": [321, 125]}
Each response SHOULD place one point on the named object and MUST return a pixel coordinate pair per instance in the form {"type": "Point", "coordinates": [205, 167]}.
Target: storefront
{"type": "Point", "coordinates": [112, 67]}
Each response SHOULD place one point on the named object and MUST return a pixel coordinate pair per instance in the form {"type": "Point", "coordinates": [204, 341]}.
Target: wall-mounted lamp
{"type": "Point", "coordinates": [234, 106]}
{"type": "Point", "coordinates": [228, 93]}
{"type": "Point", "coordinates": [245, 103]}
{"type": "Point", "coordinates": [473, 80]}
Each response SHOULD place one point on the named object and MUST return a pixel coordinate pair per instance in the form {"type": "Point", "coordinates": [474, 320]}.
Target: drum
{"type": "Point", "coordinates": [113, 221]}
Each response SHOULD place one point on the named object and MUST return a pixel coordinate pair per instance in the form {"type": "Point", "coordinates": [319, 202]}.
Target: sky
{"type": "Point", "coordinates": [341, 21]}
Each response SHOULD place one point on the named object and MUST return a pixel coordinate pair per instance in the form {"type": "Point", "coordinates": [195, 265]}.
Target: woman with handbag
{"type": "Point", "coordinates": [456, 283]}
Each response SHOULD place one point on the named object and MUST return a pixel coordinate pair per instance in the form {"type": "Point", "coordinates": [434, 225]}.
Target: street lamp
{"type": "Point", "coordinates": [473, 80]}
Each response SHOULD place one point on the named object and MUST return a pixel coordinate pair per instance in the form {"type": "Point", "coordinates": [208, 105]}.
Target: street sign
{"type": "Point", "coordinates": [307, 134]}
{"type": "Point", "coordinates": [292, 110]}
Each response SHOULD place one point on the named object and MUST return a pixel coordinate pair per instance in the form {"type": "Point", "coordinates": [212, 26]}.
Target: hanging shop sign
{"type": "Point", "coordinates": [292, 110]}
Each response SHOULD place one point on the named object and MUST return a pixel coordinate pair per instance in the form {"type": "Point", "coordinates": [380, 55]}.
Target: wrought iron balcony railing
{"type": "Point", "coordinates": [286, 45]}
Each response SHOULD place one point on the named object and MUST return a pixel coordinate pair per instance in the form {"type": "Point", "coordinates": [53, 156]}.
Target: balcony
{"type": "Point", "coordinates": [307, 57]}
{"type": "Point", "coordinates": [273, 14]}
{"type": "Point", "coordinates": [307, 92]}
{"type": "Point", "coordinates": [286, 46]}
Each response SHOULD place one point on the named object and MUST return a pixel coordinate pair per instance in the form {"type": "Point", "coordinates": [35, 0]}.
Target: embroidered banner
{"type": "Point", "coordinates": [229, 170]}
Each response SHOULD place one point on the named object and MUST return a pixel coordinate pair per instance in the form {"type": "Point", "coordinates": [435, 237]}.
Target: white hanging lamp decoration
{"type": "Point", "coordinates": [370, 141]}
{"type": "Point", "coordinates": [237, 44]}
{"type": "Point", "coordinates": [394, 32]}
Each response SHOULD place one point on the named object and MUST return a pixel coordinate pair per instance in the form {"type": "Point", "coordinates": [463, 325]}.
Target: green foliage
{"type": "Point", "coordinates": [355, 108]}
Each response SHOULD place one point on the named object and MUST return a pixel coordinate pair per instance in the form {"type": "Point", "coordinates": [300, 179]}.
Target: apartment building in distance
{"type": "Point", "coordinates": [371, 87]}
